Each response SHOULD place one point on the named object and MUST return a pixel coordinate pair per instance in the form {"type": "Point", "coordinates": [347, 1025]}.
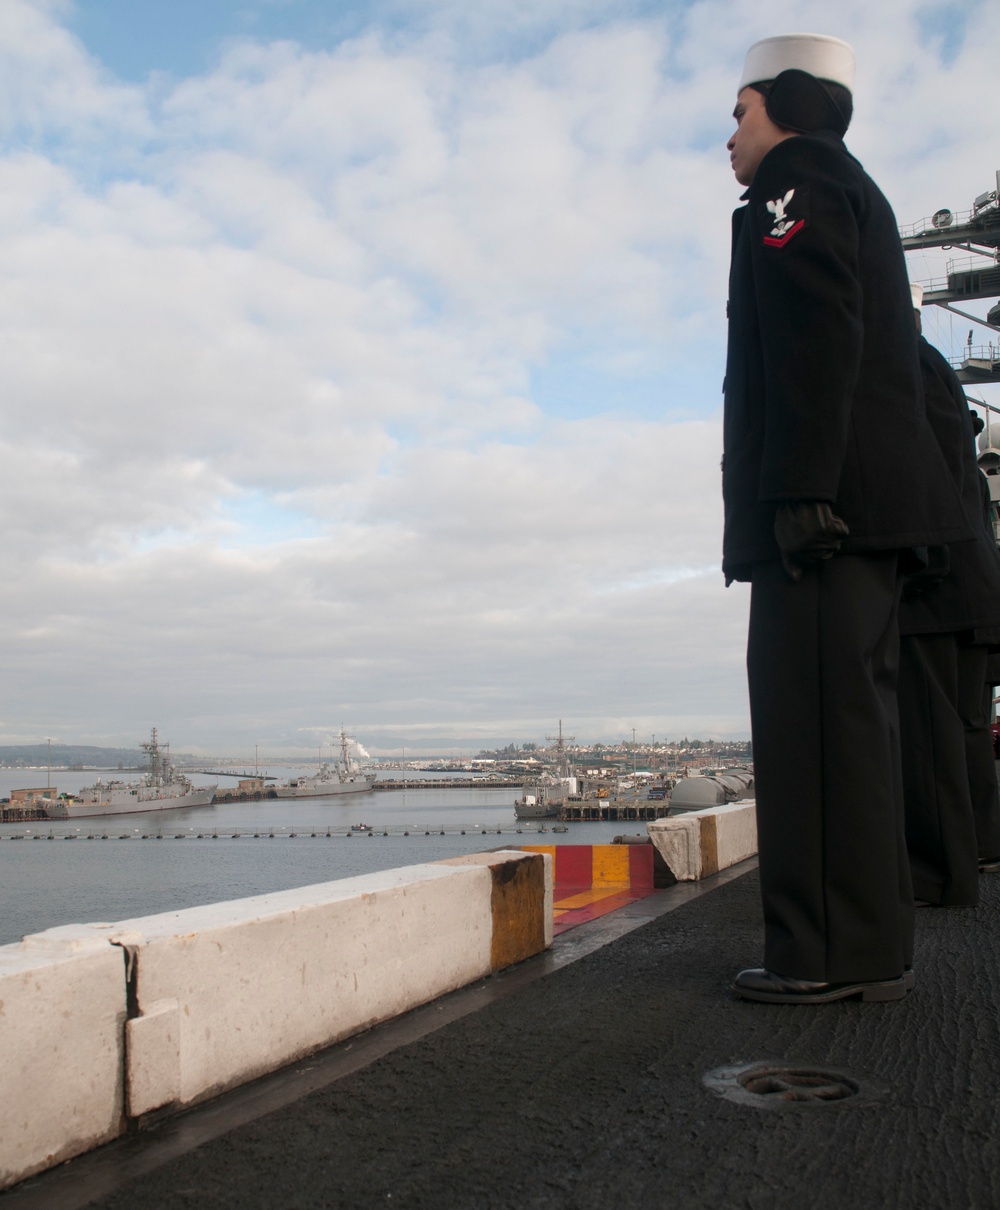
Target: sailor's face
{"type": "Point", "coordinates": [754, 136]}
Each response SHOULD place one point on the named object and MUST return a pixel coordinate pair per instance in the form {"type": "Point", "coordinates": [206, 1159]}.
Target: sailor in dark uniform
{"type": "Point", "coordinates": [830, 475]}
{"type": "Point", "coordinates": [949, 779]}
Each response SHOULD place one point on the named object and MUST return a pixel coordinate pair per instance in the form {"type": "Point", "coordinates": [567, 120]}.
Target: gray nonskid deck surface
{"type": "Point", "coordinates": [584, 1089]}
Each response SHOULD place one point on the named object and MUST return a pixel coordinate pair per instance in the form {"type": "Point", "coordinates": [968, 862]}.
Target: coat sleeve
{"type": "Point", "coordinates": [804, 207]}
{"type": "Point", "coordinates": [948, 413]}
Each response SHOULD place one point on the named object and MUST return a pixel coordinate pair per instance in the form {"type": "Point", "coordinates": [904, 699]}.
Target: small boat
{"type": "Point", "coordinates": [361, 827]}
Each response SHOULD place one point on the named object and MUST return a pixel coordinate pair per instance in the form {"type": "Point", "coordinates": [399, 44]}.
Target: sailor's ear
{"type": "Point", "coordinates": [798, 101]}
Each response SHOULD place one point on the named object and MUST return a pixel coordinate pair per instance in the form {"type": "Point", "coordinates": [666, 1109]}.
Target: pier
{"type": "Point", "coordinates": [17, 814]}
{"type": "Point", "coordinates": [449, 783]}
{"type": "Point", "coordinates": [611, 810]}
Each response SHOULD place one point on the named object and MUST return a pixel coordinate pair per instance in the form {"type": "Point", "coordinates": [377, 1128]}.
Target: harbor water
{"type": "Point", "coordinates": [116, 867]}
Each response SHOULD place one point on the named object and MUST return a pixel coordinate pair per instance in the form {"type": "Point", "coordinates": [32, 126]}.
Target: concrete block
{"type": "Point", "coordinates": [678, 841]}
{"type": "Point", "coordinates": [153, 1057]}
{"type": "Point", "coordinates": [62, 1016]}
{"type": "Point", "coordinates": [521, 902]}
{"type": "Point", "coordinates": [224, 993]}
{"type": "Point", "coordinates": [218, 995]}
{"type": "Point", "coordinates": [700, 843]}
{"type": "Point", "coordinates": [735, 834]}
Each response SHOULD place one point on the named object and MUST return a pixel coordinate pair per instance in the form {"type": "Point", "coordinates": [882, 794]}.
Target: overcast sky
{"type": "Point", "coordinates": [362, 361]}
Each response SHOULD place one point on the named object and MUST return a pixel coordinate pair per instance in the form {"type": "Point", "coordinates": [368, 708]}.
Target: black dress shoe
{"type": "Point", "coordinates": [989, 865]}
{"type": "Point", "coordinates": [769, 988]}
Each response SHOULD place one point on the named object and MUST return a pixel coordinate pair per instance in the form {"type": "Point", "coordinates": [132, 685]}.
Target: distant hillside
{"type": "Point", "coordinates": [71, 754]}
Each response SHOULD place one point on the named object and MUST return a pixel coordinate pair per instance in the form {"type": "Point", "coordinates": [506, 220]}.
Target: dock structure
{"type": "Point", "coordinates": [15, 813]}
{"type": "Point", "coordinates": [448, 783]}
{"type": "Point", "coordinates": [451, 783]}
{"type": "Point", "coordinates": [613, 810]}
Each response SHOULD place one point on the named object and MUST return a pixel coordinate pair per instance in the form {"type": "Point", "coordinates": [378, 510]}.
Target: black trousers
{"type": "Point", "coordinates": [822, 662]}
{"type": "Point", "coordinates": [940, 824]}
{"type": "Point", "coordinates": [975, 700]}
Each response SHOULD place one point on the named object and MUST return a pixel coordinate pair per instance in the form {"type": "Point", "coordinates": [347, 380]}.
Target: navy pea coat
{"type": "Point", "coordinates": [823, 399]}
{"type": "Point", "coordinates": [968, 599]}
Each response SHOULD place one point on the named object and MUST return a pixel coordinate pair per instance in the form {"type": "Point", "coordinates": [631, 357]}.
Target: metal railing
{"type": "Point", "coordinates": [959, 218]}
{"type": "Point", "coordinates": [975, 353]}
{"type": "Point", "coordinates": [964, 264]}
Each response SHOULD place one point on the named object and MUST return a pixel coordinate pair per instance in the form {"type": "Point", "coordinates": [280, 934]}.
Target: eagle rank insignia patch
{"type": "Point", "coordinates": [784, 226]}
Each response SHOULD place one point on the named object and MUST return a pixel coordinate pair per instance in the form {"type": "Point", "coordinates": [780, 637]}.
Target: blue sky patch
{"type": "Point", "coordinates": [945, 25]}
{"type": "Point", "coordinates": [261, 520]}
{"type": "Point", "coordinates": [184, 37]}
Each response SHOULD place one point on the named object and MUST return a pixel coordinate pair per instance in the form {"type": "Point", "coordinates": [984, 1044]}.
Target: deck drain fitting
{"type": "Point", "coordinates": [777, 1085]}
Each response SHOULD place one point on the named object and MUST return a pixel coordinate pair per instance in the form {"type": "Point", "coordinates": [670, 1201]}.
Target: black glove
{"type": "Point", "coordinates": [807, 531]}
{"type": "Point", "coordinates": [924, 568]}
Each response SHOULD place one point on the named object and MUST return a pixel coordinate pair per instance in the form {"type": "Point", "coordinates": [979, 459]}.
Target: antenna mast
{"type": "Point", "coordinates": [562, 757]}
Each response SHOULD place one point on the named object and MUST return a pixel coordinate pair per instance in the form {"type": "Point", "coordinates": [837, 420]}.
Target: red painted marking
{"type": "Point", "coordinates": [574, 865]}
{"type": "Point", "coordinates": [574, 884]}
{"type": "Point", "coordinates": [640, 866]}
{"type": "Point", "coordinates": [571, 917]}
{"type": "Point", "coordinates": [773, 242]}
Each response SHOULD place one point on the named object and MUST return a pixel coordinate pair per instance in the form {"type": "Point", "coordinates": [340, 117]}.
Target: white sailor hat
{"type": "Point", "coordinates": [821, 56]}
{"type": "Point", "coordinates": [917, 295]}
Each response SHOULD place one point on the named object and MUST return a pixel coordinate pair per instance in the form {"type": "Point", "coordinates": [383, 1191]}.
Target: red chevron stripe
{"type": "Point", "coordinates": [780, 243]}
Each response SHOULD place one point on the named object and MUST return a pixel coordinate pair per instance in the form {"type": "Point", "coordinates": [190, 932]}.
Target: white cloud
{"type": "Point", "coordinates": [319, 368]}
{"type": "Point", "coordinates": [50, 89]}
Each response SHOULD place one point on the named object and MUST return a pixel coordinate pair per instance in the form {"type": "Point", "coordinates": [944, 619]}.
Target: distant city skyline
{"type": "Point", "coordinates": [365, 365]}
{"type": "Point", "coordinates": [66, 755]}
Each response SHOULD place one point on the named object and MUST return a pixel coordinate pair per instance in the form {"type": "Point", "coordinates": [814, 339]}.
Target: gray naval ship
{"type": "Point", "coordinates": [547, 798]}
{"type": "Point", "coordinates": [161, 789]}
{"type": "Point", "coordinates": [341, 777]}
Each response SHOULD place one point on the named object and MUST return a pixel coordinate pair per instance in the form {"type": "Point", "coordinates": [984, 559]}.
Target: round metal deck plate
{"type": "Point", "coordinates": [782, 1085]}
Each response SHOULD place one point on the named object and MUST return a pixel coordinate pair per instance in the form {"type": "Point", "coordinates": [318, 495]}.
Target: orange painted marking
{"type": "Point", "coordinates": [582, 899]}
{"type": "Point", "coordinates": [611, 865]}
{"type": "Point", "coordinates": [593, 880]}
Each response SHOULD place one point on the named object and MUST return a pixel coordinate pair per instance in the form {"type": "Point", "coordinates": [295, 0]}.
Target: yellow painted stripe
{"type": "Point", "coordinates": [585, 898]}
{"type": "Point", "coordinates": [611, 865]}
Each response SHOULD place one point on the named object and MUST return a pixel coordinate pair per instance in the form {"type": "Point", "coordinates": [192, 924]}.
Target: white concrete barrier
{"type": "Point", "coordinates": [221, 994]}
{"type": "Point", "coordinates": [62, 1016]}
{"type": "Point", "coordinates": [699, 843]}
